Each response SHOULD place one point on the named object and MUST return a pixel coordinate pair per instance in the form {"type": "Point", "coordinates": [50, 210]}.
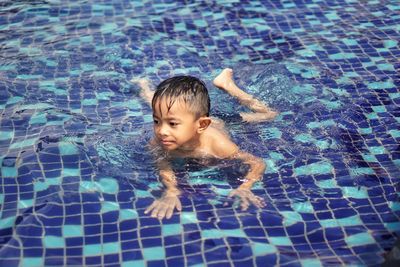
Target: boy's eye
{"type": "Point", "coordinates": [173, 124]}
{"type": "Point", "coordinates": [155, 121]}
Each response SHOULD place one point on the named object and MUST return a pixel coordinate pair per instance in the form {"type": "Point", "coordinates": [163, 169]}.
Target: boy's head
{"type": "Point", "coordinates": [192, 91]}
{"type": "Point", "coordinates": [181, 108]}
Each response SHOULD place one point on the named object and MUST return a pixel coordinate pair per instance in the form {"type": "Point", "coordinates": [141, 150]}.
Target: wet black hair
{"type": "Point", "coordinates": [190, 89]}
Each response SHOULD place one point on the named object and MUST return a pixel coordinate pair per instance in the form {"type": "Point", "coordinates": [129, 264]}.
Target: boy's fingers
{"type": "Point", "coordinates": [162, 211]}
{"type": "Point", "coordinates": [245, 204]}
{"type": "Point", "coordinates": [150, 207]}
{"type": "Point", "coordinates": [232, 193]}
{"type": "Point", "coordinates": [169, 213]}
{"type": "Point", "coordinates": [178, 205]}
{"type": "Point", "coordinates": [156, 210]}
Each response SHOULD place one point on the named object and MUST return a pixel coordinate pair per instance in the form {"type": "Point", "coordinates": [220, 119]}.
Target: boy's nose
{"type": "Point", "coordinates": [163, 130]}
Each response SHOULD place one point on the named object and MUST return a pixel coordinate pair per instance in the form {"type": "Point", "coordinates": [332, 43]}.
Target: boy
{"type": "Point", "coordinates": [183, 128]}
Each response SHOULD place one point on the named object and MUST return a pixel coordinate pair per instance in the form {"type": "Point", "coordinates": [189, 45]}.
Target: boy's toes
{"type": "Point", "coordinates": [223, 78]}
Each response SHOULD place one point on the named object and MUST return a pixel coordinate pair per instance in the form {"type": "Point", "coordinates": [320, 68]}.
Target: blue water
{"type": "Point", "coordinates": [76, 176]}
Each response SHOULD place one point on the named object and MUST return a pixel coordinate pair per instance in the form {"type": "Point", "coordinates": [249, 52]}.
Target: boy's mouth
{"type": "Point", "coordinates": [167, 142]}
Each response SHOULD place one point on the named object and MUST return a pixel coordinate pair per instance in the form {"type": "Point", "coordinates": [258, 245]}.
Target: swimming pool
{"type": "Point", "coordinates": [76, 178]}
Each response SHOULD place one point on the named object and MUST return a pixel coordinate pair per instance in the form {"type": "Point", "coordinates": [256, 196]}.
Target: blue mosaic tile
{"type": "Point", "coordinates": [73, 168]}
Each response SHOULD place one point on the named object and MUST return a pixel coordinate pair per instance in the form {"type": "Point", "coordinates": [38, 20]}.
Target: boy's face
{"type": "Point", "coordinates": [175, 128]}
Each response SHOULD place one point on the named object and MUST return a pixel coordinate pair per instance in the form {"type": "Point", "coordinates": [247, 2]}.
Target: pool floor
{"type": "Point", "coordinates": [76, 176]}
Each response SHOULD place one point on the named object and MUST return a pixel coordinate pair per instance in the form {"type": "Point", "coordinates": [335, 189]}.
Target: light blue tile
{"type": "Point", "coordinates": [354, 192]}
{"type": "Point", "coordinates": [291, 217]}
{"type": "Point", "coordinates": [311, 263]}
{"type": "Point", "coordinates": [171, 229]}
{"type": "Point", "coordinates": [393, 226]}
{"type": "Point", "coordinates": [23, 143]}
{"type": "Point", "coordinates": [38, 118]}
{"type": "Point", "coordinates": [310, 73]}
{"type": "Point", "coordinates": [51, 241]}
{"type": "Point", "coordinates": [136, 263]}
{"type": "Point", "coordinates": [188, 217]}
{"type": "Point", "coordinates": [108, 185]}
{"type": "Point", "coordinates": [88, 186]}
{"type": "Point", "coordinates": [330, 104]}
{"type": "Point", "coordinates": [31, 262]}
{"type": "Point", "coordinates": [153, 253]}
{"type": "Point", "coordinates": [215, 233]}
{"type": "Point", "coordinates": [234, 233]}
{"type": "Point", "coordinates": [128, 214]}
{"type": "Point", "coordinates": [314, 168]}
{"type": "Point", "coordinates": [303, 207]}
{"type": "Point", "coordinates": [7, 222]}
{"type": "Point", "coordinates": [342, 55]}
{"type": "Point", "coordinates": [212, 233]}
{"type": "Point", "coordinates": [200, 23]}
{"type": "Point", "coordinates": [25, 203]}
{"type": "Point", "coordinates": [5, 135]}
{"type": "Point", "coordinates": [369, 158]}
{"type": "Point", "coordinates": [379, 109]}
{"type": "Point", "coordinates": [260, 249]}
{"type": "Point", "coordinates": [376, 150]}
{"type": "Point", "coordinates": [304, 138]}
{"type": "Point", "coordinates": [107, 206]}
{"type": "Point", "coordinates": [365, 130]}
{"type": "Point", "coordinates": [71, 230]}
{"type": "Point", "coordinates": [386, 66]}
{"type": "Point", "coordinates": [303, 89]}
{"type": "Point", "coordinates": [381, 85]}
{"type": "Point", "coordinates": [349, 42]}
{"type": "Point", "coordinates": [372, 115]}
{"type": "Point", "coordinates": [276, 156]}
{"type": "Point", "coordinates": [395, 206]}
{"type": "Point", "coordinates": [395, 133]}
{"type": "Point", "coordinates": [111, 248]}
{"type": "Point", "coordinates": [349, 221]}
{"type": "Point", "coordinates": [359, 239]}
{"type": "Point", "coordinates": [272, 133]}
{"type": "Point", "coordinates": [67, 148]}
{"type": "Point", "coordinates": [321, 124]}
{"type": "Point", "coordinates": [9, 172]}
{"type": "Point", "coordinates": [332, 15]}
{"type": "Point", "coordinates": [92, 250]}
{"type": "Point", "coordinates": [280, 241]}
{"type": "Point", "coordinates": [14, 99]}
{"type": "Point", "coordinates": [327, 184]}
{"type": "Point", "coordinates": [71, 172]}
{"type": "Point", "coordinates": [142, 193]}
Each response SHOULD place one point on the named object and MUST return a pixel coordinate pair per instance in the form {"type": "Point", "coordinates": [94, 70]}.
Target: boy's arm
{"type": "Point", "coordinates": [257, 168]}
{"type": "Point", "coordinates": [227, 149]}
{"type": "Point", "coordinates": [167, 177]}
{"type": "Point", "coordinates": [166, 204]}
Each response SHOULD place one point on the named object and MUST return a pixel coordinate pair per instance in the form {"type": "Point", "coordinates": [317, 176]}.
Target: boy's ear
{"type": "Point", "coordinates": [204, 122]}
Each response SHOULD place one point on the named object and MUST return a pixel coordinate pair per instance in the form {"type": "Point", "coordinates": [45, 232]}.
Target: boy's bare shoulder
{"type": "Point", "coordinates": [220, 143]}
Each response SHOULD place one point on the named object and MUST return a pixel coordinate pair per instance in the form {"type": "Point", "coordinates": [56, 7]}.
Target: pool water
{"type": "Point", "coordinates": [76, 176]}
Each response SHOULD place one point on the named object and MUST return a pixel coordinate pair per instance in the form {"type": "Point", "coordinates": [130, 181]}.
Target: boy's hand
{"type": "Point", "coordinates": [246, 198]}
{"type": "Point", "coordinates": [164, 206]}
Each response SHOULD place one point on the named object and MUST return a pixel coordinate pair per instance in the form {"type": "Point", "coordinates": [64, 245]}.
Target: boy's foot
{"type": "Point", "coordinates": [224, 79]}
{"type": "Point", "coordinates": [258, 117]}
{"type": "Point", "coordinates": [145, 91]}
{"type": "Point", "coordinates": [225, 82]}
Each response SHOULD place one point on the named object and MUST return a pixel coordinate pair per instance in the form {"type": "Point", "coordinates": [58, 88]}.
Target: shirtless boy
{"type": "Point", "coordinates": [183, 128]}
